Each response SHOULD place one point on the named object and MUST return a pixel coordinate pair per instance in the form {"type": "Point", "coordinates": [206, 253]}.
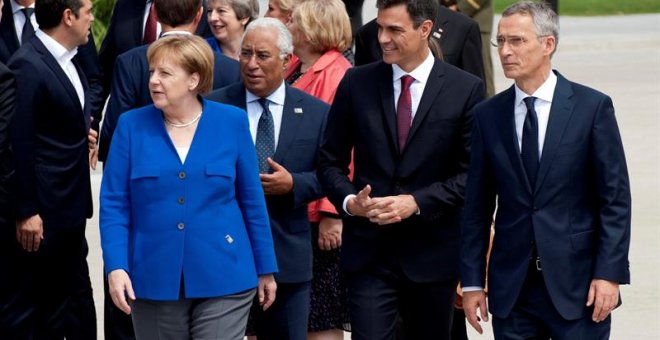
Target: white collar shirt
{"type": "Point", "coordinates": [64, 59]}
{"type": "Point", "coordinates": [19, 19]}
{"type": "Point", "coordinates": [421, 75]}
{"type": "Point", "coordinates": [275, 105]}
{"type": "Point", "coordinates": [542, 105]}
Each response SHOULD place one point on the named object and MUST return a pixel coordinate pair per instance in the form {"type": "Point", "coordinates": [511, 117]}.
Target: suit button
{"type": "Point", "coordinates": [181, 200]}
{"type": "Point", "coordinates": [180, 225]}
{"type": "Point", "coordinates": [535, 209]}
{"type": "Point", "coordinates": [182, 175]}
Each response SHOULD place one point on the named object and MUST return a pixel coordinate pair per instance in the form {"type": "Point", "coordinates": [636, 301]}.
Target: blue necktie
{"type": "Point", "coordinates": [529, 150]}
{"type": "Point", "coordinates": [28, 29]}
{"type": "Point", "coordinates": [265, 141]}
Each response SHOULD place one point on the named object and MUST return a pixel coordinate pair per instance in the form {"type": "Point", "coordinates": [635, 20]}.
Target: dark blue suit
{"type": "Point", "coordinates": [577, 216]}
{"type": "Point", "coordinates": [49, 135]}
{"type": "Point", "coordinates": [87, 58]}
{"type": "Point", "coordinates": [303, 121]}
{"type": "Point", "coordinates": [126, 31]}
{"type": "Point", "coordinates": [130, 88]}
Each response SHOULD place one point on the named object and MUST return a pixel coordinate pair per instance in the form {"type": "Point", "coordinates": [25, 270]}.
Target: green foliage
{"type": "Point", "coordinates": [102, 11]}
{"type": "Point", "coordinates": [595, 7]}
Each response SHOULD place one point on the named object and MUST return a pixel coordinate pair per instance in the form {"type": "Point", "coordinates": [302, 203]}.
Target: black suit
{"type": "Point", "coordinates": [421, 252]}
{"type": "Point", "coordinates": [7, 101]}
{"type": "Point", "coordinates": [303, 121]}
{"type": "Point", "coordinates": [126, 31]}
{"type": "Point", "coordinates": [52, 294]}
{"type": "Point", "coordinates": [459, 40]}
{"type": "Point", "coordinates": [87, 58]}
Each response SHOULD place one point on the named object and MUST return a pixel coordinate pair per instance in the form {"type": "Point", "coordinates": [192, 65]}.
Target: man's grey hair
{"type": "Point", "coordinates": [284, 40]}
{"type": "Point", "coordinates": [546, 21]}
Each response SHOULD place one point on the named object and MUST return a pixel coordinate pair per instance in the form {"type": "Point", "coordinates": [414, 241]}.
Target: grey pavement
{"type": "Point", "coordinates": [620, 56]}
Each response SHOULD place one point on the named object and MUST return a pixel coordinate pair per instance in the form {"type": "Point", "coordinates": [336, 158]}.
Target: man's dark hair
{"type": "Point", "coordinates": [49, 12]}
{"type": "Point", "coordinates": [175, 13]}
{"type": "Point", "coordinates": [419, 10]}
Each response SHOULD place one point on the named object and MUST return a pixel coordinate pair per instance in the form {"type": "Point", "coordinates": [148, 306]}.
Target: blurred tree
{"type": "Point", "coordinates": [102, 11]}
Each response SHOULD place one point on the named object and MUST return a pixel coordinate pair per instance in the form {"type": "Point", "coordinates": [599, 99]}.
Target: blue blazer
{"type": "Point", "coordinates": [204, 220]}
{"type": "Point", "coordinates": [577, 215]}
{"type": "Point", "coordinates": [303, 122]}
{"type": "Point", "coordinates": [49, 140]}
{"type": "Point", "coordinates": [130, 88]}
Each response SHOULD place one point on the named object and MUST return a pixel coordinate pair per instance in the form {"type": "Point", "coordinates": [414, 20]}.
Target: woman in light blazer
{"type": "Point", "coordinates": [184, 226]}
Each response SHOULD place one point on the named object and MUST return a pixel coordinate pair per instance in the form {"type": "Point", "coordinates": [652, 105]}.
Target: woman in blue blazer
{"type": "Point", "coordinates": [184, 226]}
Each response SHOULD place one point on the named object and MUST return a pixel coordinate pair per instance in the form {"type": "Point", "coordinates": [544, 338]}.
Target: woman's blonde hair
{"type": "Point", "coordinates": [190, 52]}
{"type": "Point", "coordinates": [325, 24]}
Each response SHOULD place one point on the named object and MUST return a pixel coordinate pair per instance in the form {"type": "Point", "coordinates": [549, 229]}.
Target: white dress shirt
{"type": "Point", "coordinates": [544, 95]}
{"type": "Point", "coordinates": [421, 75]}
{"type": "Point", "coordinates": [275, 105]}
{"type": "Point", "coordinates": [19, 19]}
{"type": "Point", "coordinates": [63, 57]}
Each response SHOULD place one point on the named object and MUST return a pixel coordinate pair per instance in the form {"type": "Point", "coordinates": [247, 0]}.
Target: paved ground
{"type": "Point", "coordinates": [620, 56]}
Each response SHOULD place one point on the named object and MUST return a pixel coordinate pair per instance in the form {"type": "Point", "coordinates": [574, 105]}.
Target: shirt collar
{"type": "Point", "coordinates": [164, 34]}
{"type": "Point", "coordinates": [15, 7]}
{"type": "Point", "coordinates": [276, 97]}
{"type": "Point", "coordinates": [545, 92]}
{"type": "Point", "coordinates": [55, 48]}
{"type": "Point", "coordinates": [420, 73]}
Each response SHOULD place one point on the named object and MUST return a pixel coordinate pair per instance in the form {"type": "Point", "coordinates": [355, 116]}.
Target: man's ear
{"type": "Point", "coordinates": [426, 27]}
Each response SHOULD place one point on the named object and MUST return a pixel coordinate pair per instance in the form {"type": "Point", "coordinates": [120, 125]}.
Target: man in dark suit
{"type": "Point", "coordinates": [13, 30]}
{"type": "Point", "coordinates": [295, 120]}
{"type": "Point", "coordinates": [457, 35]}
{"type": "Point", "coordinates": [130, 81]}
{"type": "Point", "coordinates": [550, 151]}
{"type": "Point", "coordinates": [52, 294]}
{"type": "Point", "coordinates": [127, 31]}
{"type": "Point", "coordinates": [409, 134]}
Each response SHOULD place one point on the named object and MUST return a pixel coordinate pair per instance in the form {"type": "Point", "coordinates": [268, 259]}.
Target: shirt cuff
{"type": "Point", "coordinates": [344, 205]}
{"type": "Point", "coordinates": [471, 289]}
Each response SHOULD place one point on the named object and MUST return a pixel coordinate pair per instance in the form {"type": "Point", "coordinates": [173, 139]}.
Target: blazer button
{"type": "Point", "coordinates": [180, 225]}
{"type": "Point", "coordinates": [181, 200]}
{"type": "Point", "coordinates": [182, 175]}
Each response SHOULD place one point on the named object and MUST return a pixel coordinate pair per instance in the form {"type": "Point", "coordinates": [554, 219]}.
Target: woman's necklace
{"type": "Point", "coordinates": [174, 125]}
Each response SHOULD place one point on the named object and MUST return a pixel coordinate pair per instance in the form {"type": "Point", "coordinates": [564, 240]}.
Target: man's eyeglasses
{"type": "Point", "coordinates": [514, 41]}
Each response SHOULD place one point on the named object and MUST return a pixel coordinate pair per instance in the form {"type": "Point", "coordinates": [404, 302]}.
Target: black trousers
{"type": "Point", "coordinates": [381, 294]}
{"type": "Point", "coordinates": [47, 294]}
{"type": "Point", "coordinates": [535, 317]}
{"type": "Point", "coordinates": [287, 317]}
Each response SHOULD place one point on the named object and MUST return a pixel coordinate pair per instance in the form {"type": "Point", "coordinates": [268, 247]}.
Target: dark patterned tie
{"type": "Point", "coordinates": [404, 111]}
{"type": "Point", "coordinates": [529, 150]}
{"type": "Point", "coordinates": [265, 141]}
{"type": "Point", "coordinates": [150, 26]}
{"type": "Point", "coordinates": [28, 29]}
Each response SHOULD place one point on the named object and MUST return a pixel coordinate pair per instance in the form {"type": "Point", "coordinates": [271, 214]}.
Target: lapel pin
{"type": "Point", "coordinates": [298, 110]}
{"type": "Point", "coordinates": [229, 239]}
{"type": "Point", "coordinates": [438, 34]}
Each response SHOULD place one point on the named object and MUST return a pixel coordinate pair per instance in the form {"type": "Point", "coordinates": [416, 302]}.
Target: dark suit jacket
{"type": "Point", "coordinates": [299, 140]}
{"type": "Point", "coordinates": [125, 32]}
{"type": "Point", "coordinates": [87, 58]}
{"type": "Point", "coordinates": [577, 215]}
{"type": "Point", "coordinates": [460, 42]}
{"type": "Point", "coordinates": [7, 101]}
{"type": "Point", "coordinates": [432, 167]}
{"type": "Point", "coordinates": [49, 135]}
{"type": "Point", "coordinates": [130, 88]}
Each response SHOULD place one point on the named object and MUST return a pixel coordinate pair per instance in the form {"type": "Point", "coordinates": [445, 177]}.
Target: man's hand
{"type": "Point", "coordinates": [604, 296]}
{"type": "Point", "coordinates": [266, 290]}
{"type": "Point", "coordinates": [30, 232]}
{"type": "Point", "coordinates": [391, 209]}
{"type": "Point", "coordinates": [280, 182]}
{"type": "Point", "coordinates": [119, 285]}
{"type": "Point", "coordinates": [471, 302]}
{"type": "Point", "coordinates": [92, 138]}
{"type": "Point", "coordinates": [357, 206]}
{"type": "Point", "coordinates": [330, 233]}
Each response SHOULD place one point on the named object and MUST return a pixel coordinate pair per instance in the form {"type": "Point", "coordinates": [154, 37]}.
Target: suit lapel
{"type": "Point", "coordinates": [292, 116]}
{"type": "Point", "coordinates": [87, 108]}
{"type": "Point", "coordinates": [560, 114]}
{"type": "Point", "coordinates": [57, 70]}
{"type": "Point", "coordinates": [8, 29]}
{"type": "Point", "coordinates": [387, 102]}
{"type": "Point", "coordinates": [433, 86]}
{"type": "Point", "coordinates": [507, 127]}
